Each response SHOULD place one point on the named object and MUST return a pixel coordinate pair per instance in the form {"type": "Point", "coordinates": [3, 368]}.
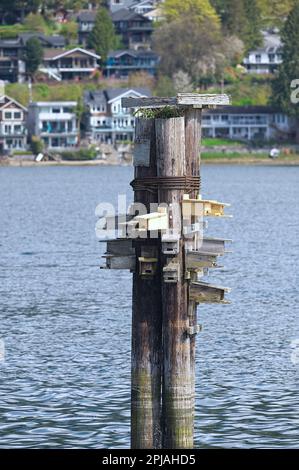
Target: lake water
{"type": "Point", "coordinates": [65, 324]}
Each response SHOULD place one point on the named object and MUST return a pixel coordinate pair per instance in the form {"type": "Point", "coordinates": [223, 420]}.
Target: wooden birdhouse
{"type": "Point", "coordinates": [203, 292]}
{"type": "Point", "coordinates": [213, 245]}
{"type": "Point", "coordinates": [171, 273]}
{"type": "Point", "coordinates": [147, 267]}
{"type": "Point", "coordinates": [120, 262]}
{"type": "Point", "coordinates": [120, 247]}
{"type": "Point", "coordinates": [150, 222]}
{"type": "Point", "coordinates": [202, 208]}
{"type": "Point", "coordinates": [197, 260]}
{"type": "Point", "coordinates": [170, 243]}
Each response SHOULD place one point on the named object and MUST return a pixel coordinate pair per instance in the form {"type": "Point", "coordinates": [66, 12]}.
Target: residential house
{"type": "Point", "coordinates": [106, 120]}
{"type": "Point", "coordinates": [267, 58]}
{"type": "Point", "coordinates": [143, 7]}
{"type": "Point", "coordinates": [247, 123]}
{"type": "Point", "coordinates": [70, 64]}
{"type": "Point", "coordinates": [135, 29]}
{"type": "Point", "coordinates": [120, 64]}
{"type": "Point", "coordinates": [86, 20]}
{"type": "Point", "coordinates": [13, 133]}
{"type": "Point", "coordinates": [115, 5]}
{"type": "Point", "coordinates": [139, 6]}
{"type": "Point", "coordinates": [12, 65]}
{"type": "Point", "coordinates": [55, 123]}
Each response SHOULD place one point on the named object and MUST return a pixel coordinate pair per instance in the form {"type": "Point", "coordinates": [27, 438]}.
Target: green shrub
{"type": "Point", "coordinates": [37, 145]}
{"type": "Point", "coordinates": [82, 154]}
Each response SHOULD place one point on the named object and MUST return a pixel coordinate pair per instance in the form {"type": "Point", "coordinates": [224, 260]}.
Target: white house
{"type": "Point", "coordinates": [247, 123]}
{"type": "Point", "coordinates": [267, 58]}
{"type": "Point", "coordinates": [54, 122]}
{"type": "Point", "coordinates": [106, 120]}
{"type": "Point", "coordinates": [13, 133]}
{"type": "Point", "coordinates": [70, 64]}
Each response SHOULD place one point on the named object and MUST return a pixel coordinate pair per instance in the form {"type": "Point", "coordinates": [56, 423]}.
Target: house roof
{"type": "Point", "coordinates": [109, 95]}
{"type": "Point", "coordinates": [8, 100]}
{"type": "Point", "coordinates": [10, 42]}
{"type": "Point", "coordinates": [53, 103]}
{"type": "Point", "coordinates": [51, 54]}
{"type": "Point", "coordinates": [124, 14]}
{"type": "Point", "coordinates": [97, 97]}
{"type": "Point", "coordinates": [116, 93]}
{"type": "Point", "coordinates": [271, 43]}
{"type": "Point", "coordinates": [132, 53]}
{"type": "Point", "coordinates": [87, 16]}
{"type": "Point", "coordinates": [50, 41]}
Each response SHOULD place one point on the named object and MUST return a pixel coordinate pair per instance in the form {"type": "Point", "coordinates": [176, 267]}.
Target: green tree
{"type": "Point", "coordinates": [198, 9]}
{"type": "Point", "coordinates": [252, 36]}
{"type": "Point", "coordinates": [103, 38]}
{"type": "Point", "coordinates": [289, 69]}
{"type": "Point", "coordinates": [35, 22]}
{"type": "Point", "coordinates": [241, 18]}
{"type": "Point", "coordinates": [70, 31]}
{"type": "Point", "coordinates": [185, 45]}
{"type": "Point", "coordinates": [274, 12]}
{"type": "Point", "coordinates": [33, 56]}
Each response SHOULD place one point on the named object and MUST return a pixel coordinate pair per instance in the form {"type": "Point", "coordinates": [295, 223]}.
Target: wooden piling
{"type": "Point", "coordinates": [177, 412]}
{"type": "Point", "coordinates": [192, 151]}
{"type": "Point", "coordinates": [165, 287]}
{"type": "Point", "coordinates": [146, 324]}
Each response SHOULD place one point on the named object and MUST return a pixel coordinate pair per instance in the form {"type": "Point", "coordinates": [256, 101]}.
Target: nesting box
{"type": "Point", "coordinates": [120, 247]}
{"type": "Point", "coordinates": [170, 244]}
{"type": "Point", "coordinates": [147, 267]}
{"type": "Point", "coordinates": [202, 207]}
{"type": "Point", "coordinates": [197, 260]}
{"type": "Point", "coordinates": [150, 222]}
{"type": "Point", "coordinates": [171, 273]}
{"type": "Point", "coordinates": [205, 293]}
{"type": "Point", "coordinates": [120, 262]}
{"type": "Point", "coordinates": [214, 245]}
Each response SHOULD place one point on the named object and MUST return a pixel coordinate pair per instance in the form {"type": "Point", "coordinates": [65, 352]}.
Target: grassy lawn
{"type": "Point", "coordinates": [209, 142]}
{"type": "Point", "coordinates": [234, 156]}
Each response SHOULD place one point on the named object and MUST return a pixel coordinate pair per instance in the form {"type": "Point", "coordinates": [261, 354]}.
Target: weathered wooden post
{"type": "Point", "coordinates": [167, 258]}
{"type": "Point", "coordinates": [147, 312]}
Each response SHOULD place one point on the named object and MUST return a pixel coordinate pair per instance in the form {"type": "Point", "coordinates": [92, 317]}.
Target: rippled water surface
{"type": "Point", "coordinates": [65, 380]}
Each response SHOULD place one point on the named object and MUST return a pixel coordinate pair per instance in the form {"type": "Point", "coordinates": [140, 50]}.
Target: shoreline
{"type": "Point", "coordinates": [212, 161]}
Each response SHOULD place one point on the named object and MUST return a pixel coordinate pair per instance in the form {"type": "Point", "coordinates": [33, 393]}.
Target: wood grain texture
{"type": "Point", "coordinates": [193, 120]}
{"type": "Point", "coordinates": [182, 99]}
{"type": "Point", "coordinates": [146, 326]}
{"type": "Point", "coordinates": [177, 419]}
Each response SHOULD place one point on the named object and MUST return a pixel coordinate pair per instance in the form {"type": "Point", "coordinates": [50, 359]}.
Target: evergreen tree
{"type": "Point", "coordinates": [289, 69]}
{"type": "Point", "coordinates": [241, 18]}
{"type": "Point", "coordinates": [103, 38]}
{"type": "Point", "coordinates": [33, 56]}
{"type": "Point", "coordinates": [252, 36]}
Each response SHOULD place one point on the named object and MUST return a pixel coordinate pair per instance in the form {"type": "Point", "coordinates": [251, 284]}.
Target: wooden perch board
{"type": "Point", "coordinates": [182, 99]}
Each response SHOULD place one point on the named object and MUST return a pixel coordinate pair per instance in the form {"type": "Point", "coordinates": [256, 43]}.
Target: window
{"type": "Point", "coordinates": [8, 115]}
{"type": "Point", "coordinates": [56, 110]}
{"type": "Point", "coordinates": [258, 58]}
{"type": "Point", "coordinates": [17, 115]}
{"type": "Point", "coordinates": [18, 129]}
{"type": "Point", "coordinates": [67, 110]}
